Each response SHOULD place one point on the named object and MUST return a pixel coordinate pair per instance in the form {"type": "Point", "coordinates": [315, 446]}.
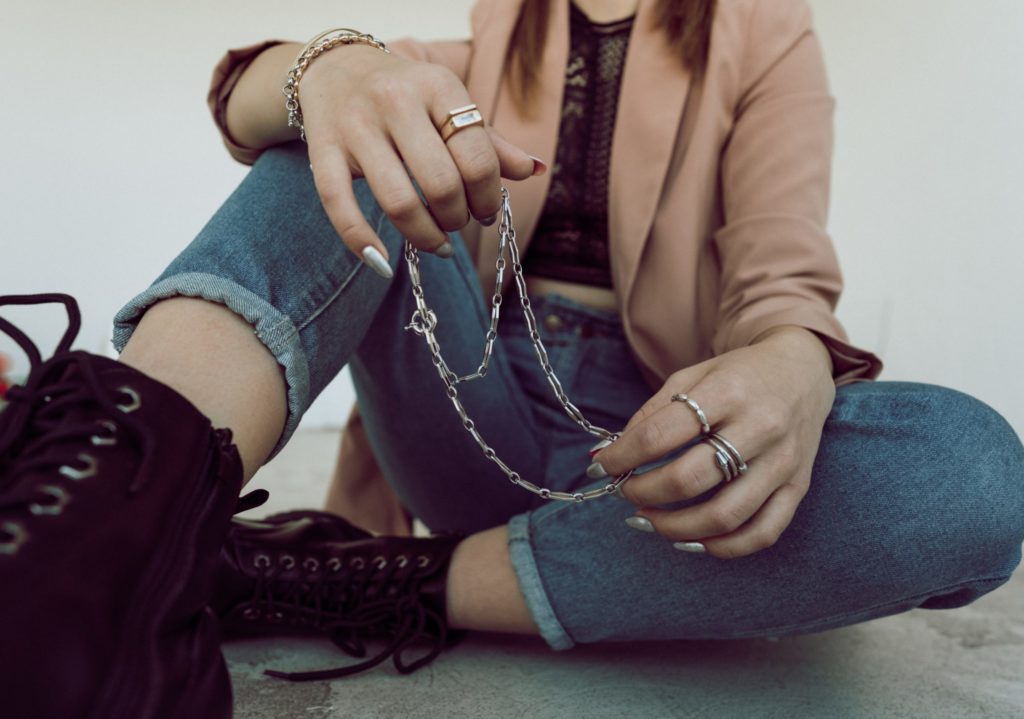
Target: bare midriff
{"type": "Point", "coordinates": [600, 298]}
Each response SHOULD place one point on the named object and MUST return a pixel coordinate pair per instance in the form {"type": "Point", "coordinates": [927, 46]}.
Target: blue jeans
{"type": "Point", "coordinates": [917, 498]}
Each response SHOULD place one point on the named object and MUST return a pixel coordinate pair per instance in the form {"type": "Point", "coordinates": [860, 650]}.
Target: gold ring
{"type": "Point", "coordinates": [459, 119]}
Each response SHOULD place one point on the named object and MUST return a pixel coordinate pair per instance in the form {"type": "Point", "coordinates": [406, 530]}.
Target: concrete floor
{"type": "Point", "coordinates": [967, 662]}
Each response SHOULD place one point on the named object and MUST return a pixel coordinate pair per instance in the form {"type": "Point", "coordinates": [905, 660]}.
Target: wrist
{"type": "Point", "coordinates": [254, 116]}
{"type": "Point", "coordinates": [322, 43]}
{"type": "Point", "coordinates": [801, 341]}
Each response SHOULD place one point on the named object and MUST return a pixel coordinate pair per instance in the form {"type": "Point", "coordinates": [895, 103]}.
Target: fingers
{"type": "Point", "coordinates": [688, 476]}
{"type": "Point", "coordinates": [515, 163]}
{"type": "Point", "coordinates": [744, 518]}
{"type": "Point", "coordinates": [763, 530]}
{"type": "Point", "coordinates": [460, 177]}
{"type": "Point", "coordinates": [393, 189]}
{"type": "Point", "coordinates": [435, 169]}
{"type": "Point", "coordinates": [390, 132]}
{"type": "Point", "coordinates": [665, 426]}
{"type": "Point", "coordinates": [480, 154]}
{"type": "Point", "coordinates": [334, 184]}
{"type": "Point", "coordinates": [478, 165]}
{"type": "Point", "coordinates": [726, 512]}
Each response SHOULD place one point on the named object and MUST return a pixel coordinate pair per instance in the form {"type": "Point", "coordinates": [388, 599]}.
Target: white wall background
{"type": "Point", "coordinates": [110, 163]}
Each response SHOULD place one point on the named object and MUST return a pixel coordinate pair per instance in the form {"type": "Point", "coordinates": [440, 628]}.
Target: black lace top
{"type": "Point", "coordinates": [571, 239]}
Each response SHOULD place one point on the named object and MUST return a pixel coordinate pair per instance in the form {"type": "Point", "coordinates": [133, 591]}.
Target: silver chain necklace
{"type": "Point", "coordinates": [424, 321]}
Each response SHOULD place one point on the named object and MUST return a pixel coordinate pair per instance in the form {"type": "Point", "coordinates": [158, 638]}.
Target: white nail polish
{"type": "Point", "coordinates": [599, 446]}
{"type": "Point", "coordinates": [642, 524]}
{"type": "Point", "coordinates": [692, 547]}
{"type": "Point", "coordinates": [376, 262]}
{"type": "Point", "coordinates": [446, 250]}
{"type": "Point", "coordinates": [596, 471]}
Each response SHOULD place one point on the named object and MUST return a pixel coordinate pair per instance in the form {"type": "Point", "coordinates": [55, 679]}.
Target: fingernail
{"type": "Point", "coordinates": [598, 447]}
{"type": "Point", "coordinates": [488, 221]}
{"type": "Point", "coordinates": [446, 250]}
{"type": "Point", "coordinates": [692, 547]}
{"type": "Point", "coordinates": [377, 263]}
{"type": "Point", "coordinates": [539, 166]}
{"type": "Point", "coordinates": [640, 523]}
{"type": "Point", "coordinates": [596, 471]}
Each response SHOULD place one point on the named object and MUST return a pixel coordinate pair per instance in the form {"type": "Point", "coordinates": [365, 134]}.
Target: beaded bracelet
{"type": "Point", "coordinates": [313, 49]}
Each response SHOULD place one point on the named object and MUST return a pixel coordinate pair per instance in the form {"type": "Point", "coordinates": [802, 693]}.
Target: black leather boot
{"type": "Point", "coordinates": [115, 498]}
{"type": "Point", "coordinates": [312, 573]}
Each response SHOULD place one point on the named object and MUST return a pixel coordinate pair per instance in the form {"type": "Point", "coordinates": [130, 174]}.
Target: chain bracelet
{"type": "Point", "coordinates": [315, 48]}
{"type": "Point", "coordinates": [424, 321]}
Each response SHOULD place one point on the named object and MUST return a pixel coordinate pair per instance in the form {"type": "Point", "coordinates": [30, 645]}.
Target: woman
{"type": "Point", "coordinates": [698, 316]}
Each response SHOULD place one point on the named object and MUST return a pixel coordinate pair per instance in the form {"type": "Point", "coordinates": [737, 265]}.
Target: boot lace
{"type": "Point", "coordinates": [35, 434]}
{"type": "Point", "coordinates": [352, 600]}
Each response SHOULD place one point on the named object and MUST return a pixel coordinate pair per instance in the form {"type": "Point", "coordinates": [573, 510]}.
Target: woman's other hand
{"type": "Point", "coordinates": [770, 400]}
{"type": "Point", "coordinates": [375, 115]}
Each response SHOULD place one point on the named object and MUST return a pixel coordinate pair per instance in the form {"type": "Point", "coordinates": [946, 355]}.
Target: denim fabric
{"type": "Point", "coordinates": [917, 498]}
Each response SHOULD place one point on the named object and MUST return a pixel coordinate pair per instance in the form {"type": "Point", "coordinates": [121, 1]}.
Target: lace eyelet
{"type": "Point", "coordinates": [357, 563]}
{"type": "Point", "coordinates": [334, 564]}
{"type": "Point", "coordinates": [251, 613]}
{"type": "Point", "coordinates": [108, 441]}
{"type": "Point", "coordinates": [401, 560]}
{"type": "Point", "coordinates": [310, 564]}
{"type": "Point", "coordinates": [262, 561]}
{"type": "Point", "coordinates": [17, 536]}
{"type": "Point", "coordinates": [380, 562]}
{"type": "Point", "coordinates": [276, 617]}
{"type": "Point", "coordinates": [76, 474]}
{"type": "Point", "coordinates": [422, 561]}
{"type": "Point", "coordinates": [135, 401]}
{"type": "Point", "coordinates": [287, 561]}
{"type": "Point", "coordinates": [60, 498]}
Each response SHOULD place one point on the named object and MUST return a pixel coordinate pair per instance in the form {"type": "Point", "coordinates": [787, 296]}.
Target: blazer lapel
{"type": "Point", "coordinates": [537, 134]}
{"type": "Point", "coordinates": [652, 97]}
{"type": "Point", "coordinates": [651, 101]}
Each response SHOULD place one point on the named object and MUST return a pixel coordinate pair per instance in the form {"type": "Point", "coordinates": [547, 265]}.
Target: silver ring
{"type": "Point", "coordinates": [723, 464]}
{"type": "Point", "coordinates": [730, 470]}
{"type": "Point", "coordinates": [705, 428]}
{"type": "Point", "coordinates": [741, 466]}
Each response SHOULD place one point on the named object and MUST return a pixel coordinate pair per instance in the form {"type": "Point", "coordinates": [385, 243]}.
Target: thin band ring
{"type": "Point", "coordinates": [459, 119]}
{"type": "Point", "coordinates": [722, 460]}
{"type": "Point", "coordinates": [730, 470]}
{"type": "Point", "coordinates": [705, 428]}
{"type": "Point", "coordinates": [741, 466]}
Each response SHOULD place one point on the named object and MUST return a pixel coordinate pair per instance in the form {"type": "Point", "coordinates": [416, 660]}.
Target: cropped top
{"type": "Point", "coordinates": [571, 239]}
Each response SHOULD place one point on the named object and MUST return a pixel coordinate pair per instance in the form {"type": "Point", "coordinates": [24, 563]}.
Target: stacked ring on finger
{"type": "Point", "coordinates": [728, 458]}
{"type": "Point", "coordinates": [459, 119]}
{"type": "Point", "coordinates": [705, 428]}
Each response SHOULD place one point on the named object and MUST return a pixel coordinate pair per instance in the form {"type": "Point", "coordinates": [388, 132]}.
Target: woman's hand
{"type": "Point", "coordinates": [375, 115]}
{"type": "Point", "coordinates": [770, 400]}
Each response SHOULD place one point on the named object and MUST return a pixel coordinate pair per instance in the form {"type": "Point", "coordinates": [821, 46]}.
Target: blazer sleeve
{"type": "Point", "coordinates": [777, 261]}
{"type": "Point", "coordinates": [454, 54]}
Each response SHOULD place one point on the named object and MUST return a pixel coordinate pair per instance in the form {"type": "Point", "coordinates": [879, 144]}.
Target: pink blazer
{"type": "Point", "coordinates": [719, 184]}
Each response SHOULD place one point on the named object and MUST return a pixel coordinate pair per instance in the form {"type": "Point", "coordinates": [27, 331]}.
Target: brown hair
{"type": "Point", "coordinates": [687, 24]}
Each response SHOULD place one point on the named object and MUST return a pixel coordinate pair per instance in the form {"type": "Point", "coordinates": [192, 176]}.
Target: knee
{"type": "Point", "coordinates": [978, 465]}
{"type": "Point", "coordinates": [959, 464]}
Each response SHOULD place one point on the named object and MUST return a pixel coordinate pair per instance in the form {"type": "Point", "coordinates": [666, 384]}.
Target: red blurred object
{"type": "Point", "coordinates": [5, 364]}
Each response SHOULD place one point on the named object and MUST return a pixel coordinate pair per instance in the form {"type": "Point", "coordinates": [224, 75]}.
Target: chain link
{"type": "Point", "coordinates": [424, 321]}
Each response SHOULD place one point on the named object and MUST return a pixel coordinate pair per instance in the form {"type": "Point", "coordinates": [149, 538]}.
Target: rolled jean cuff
{"type": "Point", "coordinates": [531, 585]}
{"type": "Point", "coordinates": [274, 330]}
